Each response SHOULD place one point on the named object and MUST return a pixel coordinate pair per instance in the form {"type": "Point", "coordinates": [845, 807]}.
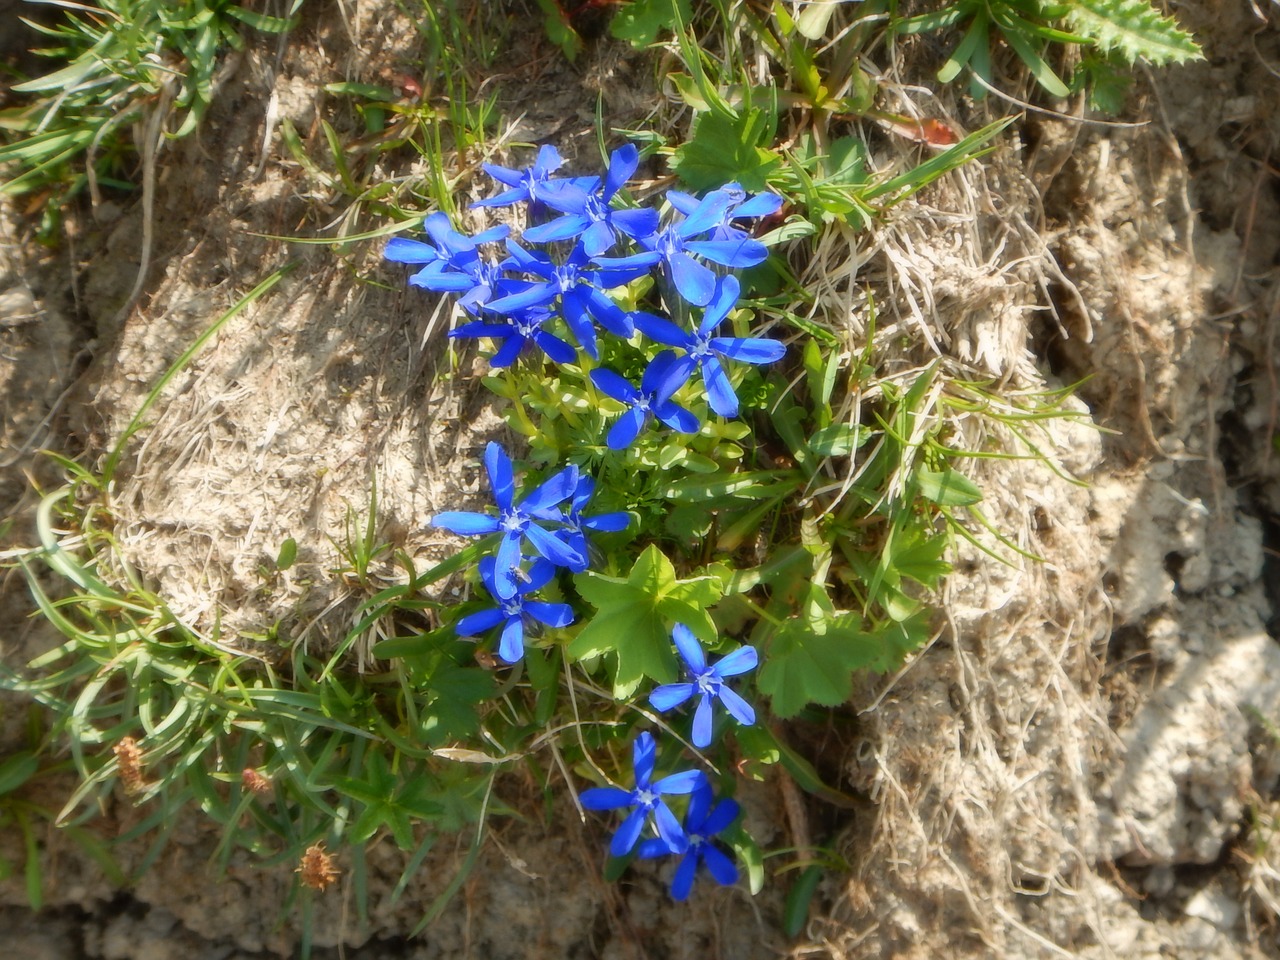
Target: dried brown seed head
{"type": "Point", "coordinates": [317, 869]}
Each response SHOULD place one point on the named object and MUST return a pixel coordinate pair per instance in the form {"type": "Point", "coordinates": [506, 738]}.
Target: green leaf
{"type": "Point", "coordinates": [838, 440]}
{"type": "Point", "coordinates": [455, 692]}
{"type": "Point", "coordinates": [725, 149]}
{"type": "Point", "coordinates": [948, 488]}
{"type": "Point", "coordinates": [805, 666]}
{"type": "Point", "coordinates": [634, 617]}
{"type": "Point", "coordinates": [559, 30]}
{"type": "Point", "coordinates": [796, 910]}
{"type": "Point", "coordinates": [640, 22]}
{"type": "Point", "coordinates": [1132, 29]}
{"type": "Point", "coordinates": [287, 555]}
{"type": "Point", "coordinates": [17, 770]}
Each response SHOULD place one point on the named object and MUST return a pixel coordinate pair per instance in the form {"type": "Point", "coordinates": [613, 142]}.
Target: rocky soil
{"type": "Point", "coordinates": [1085, 763]}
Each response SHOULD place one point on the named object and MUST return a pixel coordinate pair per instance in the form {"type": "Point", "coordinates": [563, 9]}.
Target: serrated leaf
{"type": "Point", "coordinates": [640, 22]}
{"type": "Point", "coordinates": [804, 666]}
{"type": "Point", "coordinates": [455, 692]}
{"type": "Point", "coordinates": [634, 617]}
{"type": "Point", "coordinates": [725, 149]}
{"type": "Point", "coordinates": [1133, 29]}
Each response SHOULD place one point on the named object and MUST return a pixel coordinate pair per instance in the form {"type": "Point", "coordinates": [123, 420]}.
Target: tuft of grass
{"type": "Point", "coordinates": [123, 60]}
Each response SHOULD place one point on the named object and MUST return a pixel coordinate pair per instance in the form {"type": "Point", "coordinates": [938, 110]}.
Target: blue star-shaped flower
{"type": "Point", "coordinates": [741, 206]}
{"type": "Point", "coordinates": [708, 683]}
{"type": "Point", "coordinates": [676, 248]}
{"type": "Point", "coordinates": [579, 284]}
{"type": "Point", "coordinates": [701, 823]}
{"type": "Point", "coordinates": [659, 382]}
{"type": "Point", "coordinates": [515, 521]}
{"type": "Point", "coordinates": [644, 799]}
{"type": "Point", "coordinates": [525, 185]}
{"type": "Point", "coordinates": [576, 525]}
{"type": "Point", "coordinates": [516, 611]}
{"type": "Point", "coordinates": [702, 351]}
{"type": "Point", "coordinates": [453, 264]}
{"type": "Point", "coordinates": [516, 332]}
{"type": "Point", "coordinates": [589, 214]}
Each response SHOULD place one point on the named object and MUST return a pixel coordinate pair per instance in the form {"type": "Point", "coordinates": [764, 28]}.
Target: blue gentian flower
{"type": "Point", "coordinates": [579, 284]}
{"type": "Point", "coordinates": [516, 521]}
{"type": "Point", "coordinates": [740, 207]}
{"type": "Point", "coordinates": [526, 185]}
{"type": "Point", "coordinates": [453, 265]}
{"type": "Point", "coordinates": [701, 823]}
{"type": "Point", "coordinates": [516, 611]}
{"type": "Point", "coordinates": [576, 525]}
{"type": "Point", "coordinates": [703, 351]}
{"type": "Point", "coordinates": [708, 683]}
{"type": "Point", "coordinates": [515, 333]}
{"type": "Point", "coordinates": [644, 799]}
{"type": "Point", "coordinates": [588, 214]}
{"type": "Point", "coordinates": [676, 248]}
{"type": "Point", "coordinates": [660, 380]}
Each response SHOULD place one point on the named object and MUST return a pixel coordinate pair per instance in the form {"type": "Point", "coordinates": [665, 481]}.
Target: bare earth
{"type": "Point", "coordinates": [1085, 764]}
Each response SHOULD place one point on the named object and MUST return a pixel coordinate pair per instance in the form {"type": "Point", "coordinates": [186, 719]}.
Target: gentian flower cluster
{"type": "Point", "coordinates": [557, 540]}
{"type": "Point", "coordinates": [532, 302]}
{"type": "Point", "coordinates": [596, 243]}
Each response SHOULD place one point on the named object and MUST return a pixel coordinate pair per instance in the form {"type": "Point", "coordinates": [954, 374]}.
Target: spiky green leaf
{"type": "Point", "coordinates": [1132, 29]}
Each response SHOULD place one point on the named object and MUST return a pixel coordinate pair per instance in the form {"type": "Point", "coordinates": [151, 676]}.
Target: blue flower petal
{"type": "Point", "coordinates": [686, 781]}
{"type": "Point", "coordinates": [724, 813]}
{"type": "Point", "coordinates": [636, 223]}
{"type": "Point", "coordinates": [552, 614]}
{"type": "Point", "coordinates": [690, 648]}
{"type": "Point", "coordinates": [608, 522]}
{"type": "Point", "coordinates": [761, 205]}
{"type": "Point", "coordinates": [508, 353]}
{"type": "Point", "coordinates": [738, 708]}
{"type": "Point", "coordinates": [694, 282]}
{"type": "Point", "coordinates": [652, 847]}
{"type": "Point", "coordinates": [737, 254]}
{"type": "Point", "coordinates": [555, 489]}
{"type": "Point", "coordinates": [668, 826]}
{"type": "Point", "coordinates": [625, 839]}
{"type": "Point", "coordinates": [670, 695]}
{"type": "Point", "coordinates": [720, 395]}
{"type": "Point", "coordinates": [511, 647]}
{"type": "Point", "coordinates": [612, 385]}
{"type": "Point", "coordinates": [404, 250]}
{"type": "Point", "coordinates": [479, 622]}
{"type": "Point", "coordinates": [597, 238]}
{"type": "Point", "coordinates": [722, 301]}
{"type": "Point", "coordinates": [738, 662]}
{"type": "Point", "coordinates": [677, 417]}
{"type": "Point", "coordinates": [623, 433]}
{"type": "Point", "coordinates": [682, 882]}
{"type": "Point", "coordinates": [562, 228]}
{"type": "Point", "coordinates": [702, 722]}
{"type": "Point", "coordinates": [554, 347]}
{"type": "Point", "coordinates": [749, 349]}
{"type": "Point", "coordinates": [721, 867]}
{"type": "Point", "coordinates": [661, 331]}
{"type": "Point", "coordinates": [622, 164]}
{"type": "Point", "coordinates": [605, 798]}
{"type": "Point", "coordinates": [538, 576]}
{"type": "Point", "coordinates": [498, 465]}
{"type": "Point", "coordinates": [507, 560]}
{"type": "Point", "coordinates": [553, 548]}
{"type": "Point", "coordinates": [465, 523]}
{"type": "Point", "coordinates": [644, 754]}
